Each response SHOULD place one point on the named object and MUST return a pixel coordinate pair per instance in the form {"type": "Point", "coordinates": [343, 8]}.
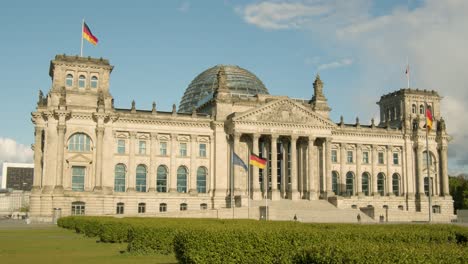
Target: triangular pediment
{"type": "Point", "coordinates": [284, 111]}
{"type": "Point", "coordinates": [79, 158]}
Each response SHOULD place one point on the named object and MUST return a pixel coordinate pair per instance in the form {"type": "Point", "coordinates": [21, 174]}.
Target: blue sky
{"type": "Point", "coordinates": [359, 47]}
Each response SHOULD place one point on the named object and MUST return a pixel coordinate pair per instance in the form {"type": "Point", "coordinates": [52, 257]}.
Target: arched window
{"type": "Point", "coordinates": [120, 208]}
{"type": "Point", "coordinates": [335, 185]}
{"type": "Point", "coordinates": [349, 183]}
{"type": "Point", "coordinates": [381, 184]}
{"type": "Point", "coordinates": [182, 179]}
{"type": "Point", "coordinates": [183, 207]}
{"type": "Point", "coordinates": [162, 207]}
{"type": "Point", "coordinates": [81, 81]}
{"type": "Point", "coordinates": [201, 180]}
{"type": "Point", "coordinates": [365, 183]}
{"type": "Point", "coordinates": [69, 80]}
{"type": "Point", "coordinates": [161, 179]}
{"type": "Point", "coordinates": [413, 109]}
{"type": "Point", "coordinates": [79, 142]}
{"type": "Point", "coordinates": [119, 178]}
{"type": "Point", "coordinates": [141, 178]}
{"type": "Point", "coordinates": [421, 109]}
{"type": "Point", "coordinates": [141, 208]}
{"type": "Point", "coordinates": [94, 82]}
{"type": "Point", "coordinates": [396, 184]}
{"type": "Point", "coordinates": [78, 208]}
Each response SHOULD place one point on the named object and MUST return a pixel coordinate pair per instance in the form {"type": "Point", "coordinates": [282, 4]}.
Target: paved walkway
{"type": "Point", "coordinates": [21, 224]}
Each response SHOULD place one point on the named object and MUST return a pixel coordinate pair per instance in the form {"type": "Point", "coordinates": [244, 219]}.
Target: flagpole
{"type": "Point", "coordinates": [232, 180]}
{"type": "Point", "coordinates": [407, 72]}
{"type": "Point", "coordinates": [82, 27]}
{"type": "Point", "coordinates": [427, 166]}
{"type": "Point", "coordinates": [248, 191]}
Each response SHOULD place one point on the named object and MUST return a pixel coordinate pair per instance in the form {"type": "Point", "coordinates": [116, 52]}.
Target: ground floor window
{"type": "Point", "coordinates": [203, 206]}
{"type": "Point", "coordinates": [162, 207]}
{"type": "Point", "coordinates": [436, 209]}
{"type": "Point", "coordinates": [183, 207]}
{"type": "Point", "coordinates": [141, 208]}
{"type": "Point", "coordinates": [120, 208]}
{"type": "Point", "coordinates": [78, 208]}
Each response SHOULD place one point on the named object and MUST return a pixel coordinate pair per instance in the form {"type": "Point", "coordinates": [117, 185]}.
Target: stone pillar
{"type": "Point", "coordinates": [284, 168]}
{"type": "Point", "coordinates": [153, 170]}
{"type": "Point", "coordinates": [60, 147]}
{"type": "Point", "coordinates": [235, 169]}
{"type": "Point", "coordinates": [275, 195]}
{"type": "Point", "coordinates": [443, 171]}
{"type": "Point", "coordinates": [374, 170]}
{"type": "Point", "coordinates": [358, 169]}
{"type": "Point", "coordinates": [327, 165]}
{"type": "Point", "coordinates": [389, 172]}
{"type": "Point", "coordinates": [257, 195]}
{"type": "Point", "coordinates": [173, 171]}
{"type": "Point", "coordinates": [99, 151]}
{"type": "Point", "coordinates": [310, 169]}
{"type": "Point", "coordinates": [419, 165]}
{"type": "Point", "coordinates": [131, 163]}
{"type": "Point", "coordinates": [343, 161]}
{"type": "Point", "coordinates": [37, 159]}
{"type": "Point", "coordinates": [192, 177]}
{"type": "Point", "coordinates": [294, 194]}
{"type": "Point", "coordinates": [409, 177]}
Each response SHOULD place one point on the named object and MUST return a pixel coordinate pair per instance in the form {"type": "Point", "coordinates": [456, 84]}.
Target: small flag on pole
{"type": "Point", "coordinates": [429, 119]}
{"type": "Point", "coordinates": [88, 35]}
{"type": "Point", "coordinates": [238, 161]}
{"type": "Point", "coordinates": [257, 161]}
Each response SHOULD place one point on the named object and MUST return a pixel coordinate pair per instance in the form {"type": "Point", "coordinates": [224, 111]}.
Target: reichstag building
{"type": "Point", "coordinates": [91, 158]}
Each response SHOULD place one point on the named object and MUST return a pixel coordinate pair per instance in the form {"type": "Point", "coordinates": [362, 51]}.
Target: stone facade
{"type": "Point", "coordinates": [93, 158]}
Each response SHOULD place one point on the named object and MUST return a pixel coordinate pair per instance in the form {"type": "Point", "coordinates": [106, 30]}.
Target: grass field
{"type": "Point", "coordinates": [51, 244]}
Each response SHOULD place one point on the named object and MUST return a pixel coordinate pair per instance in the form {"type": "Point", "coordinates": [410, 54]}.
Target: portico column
{"type": "Point", "coordinates": [193, 167]}
{"type": "Point", "coordinates": [389, 173]}
{"type": "Point", "coordinates": [358, 170]}
{"type": "Point", "coordinates": [173, 172]}
{"type": "Point", "coordinates": [443, 171]}
{"type": "Point", "coordinates": [294, 194]}
{"type": "Point", "coordinates": [257, 195]}
{"type": "Point", "coordinates": [327, 165]}
{"type": "Point", "coordinates": [374, 171]}
{"type": "Point", "coordinates": [153, 170]}
{"type": "Point", "coordinates": [419, 152]}
{"type": "Point", "coordinates": [37, 158]}
{"type": "Point", "coordinates": [60, 147]}
{"type": "Point", "coordinates": [342, 179]}
{"type": "Point", "coordinates": [284, 168]}
{"type": "Point", "coordinates": [310, 169]}
{"type": "Point", "coordinates": [99, 151]}
{"type": "Point", "coordinates": [275, 195]}
{"type": "Point", "coordinates": [131, 163]}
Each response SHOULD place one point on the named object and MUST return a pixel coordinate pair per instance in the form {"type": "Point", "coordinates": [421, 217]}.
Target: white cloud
{"type": "Point", "coordinates": [184, 7]}
{"type": "Point", "coordinates": [335, 64]}
{"type": "Point", "coordinates": [432, 34]}
{"type": "Point", "coordinates": [11, 151]}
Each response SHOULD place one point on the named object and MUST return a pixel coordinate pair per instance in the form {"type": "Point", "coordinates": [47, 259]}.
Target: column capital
{"type": "Point", "coordinates": [38, 130]}
{"type": "Point", "coordinates": [236, 135]}
{"type": "Point", "coordinates": [255, 136]}
{"type": "Point", "coordinates": [328, 140]}
{"type": "Point", "coordinates": [154, 135]}
{"type": "Point", "coordinates": [61, 128]}
{"type": "Point", "coordinates": [274, 136]}
{"type": "Point", "coordinates": [294, 137]}
{"type": "Point", "coordinates": [358, 146]}
{"type": "Point", "coordinates": [312, 139]}
{"type": "Point", "coordinates": [132, 134]}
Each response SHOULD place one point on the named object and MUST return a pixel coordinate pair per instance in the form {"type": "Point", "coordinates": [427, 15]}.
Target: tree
{"type": "Point", "coordinates": [459, 191]}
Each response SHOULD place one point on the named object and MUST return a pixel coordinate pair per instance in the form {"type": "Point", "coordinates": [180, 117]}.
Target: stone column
{"type": "Point", "coordinates": [173, 171]}
{"type": "Point", "coordinates": [284, 168]}
{"type": "Point", "coordinates": [327, 165]}
{"type": "Point", "coordinates": [193, 168]}
{"type": "Point", "coordinates": [389, 172]}
{"type": "Point", "coordinates": [443, 171]}
{"type": "Point", "coordinates": [257, 195]}
{"type": "Point", "coordinates": [60, 147]}
{"type": "Point", "coordinates": [235, 170]}
{"type": "Point", "coordinates": [37, 158]}
{"type": "Point", "coordinates": [131, 163]}
{"type": "Point", "coordinates": [358, 169]}
{"type": "Point", "coordinates": [99, 151]}
{"type": "Point", "coordinates": [153, 170]}
{"type": "Point", "coordinates": [419, 165]}
{"type": "Point", "coordinates": [275, 195]}
{"type": "Point", "coordinates": [374, 170]}
{"type": "Point", "coordinates": [310, 169]}
{"type": "Point", "coordinates": [343, 161]}
{"type": "Point", "coordinates": [294, 193]}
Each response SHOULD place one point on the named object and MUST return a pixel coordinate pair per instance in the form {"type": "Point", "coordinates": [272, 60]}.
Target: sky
{"type": "Point", "coordinates": [360, 48]}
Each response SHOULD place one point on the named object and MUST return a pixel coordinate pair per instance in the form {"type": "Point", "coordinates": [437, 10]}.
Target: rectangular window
{"type": "Point", "coordinates": [365, 157]}
{"type": "Point", "coordinates": [395, 158]}
{"type": "Point", "coordinates": [202, 150]}
{"type": "Point", "coordinates": [120, 208]}
{"type": "Point", "coordinates": [141, 208]}
{"type": "Point", "coordinates": [163, 148]}
{"type": "Point", "coordinates": [142, 147]}
{"type": "Point", "coordinates": [162, 207]}
{"type": "Point", "coordinates": [381, 158]}
{"type": "Point", "coordinates": [78, 208]}
{"type": "Point", "coordinates": [334, 156]}
{"type": "Point", "coordinates": [78, 175]}
{"type": "Point", "coordinates": [350, 157]}
{"type": "Point", "coordinates": [183, 149]}
{"type": "Point", "coordinates": [121, 146]}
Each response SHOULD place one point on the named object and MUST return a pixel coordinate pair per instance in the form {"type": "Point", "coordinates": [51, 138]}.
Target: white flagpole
{"type": "Point", "coordinates": [248, 190]}
{"type": "Point", "coordinates": [427, 166]}
{"type": "Point", "coordinates": [82, 28]}
{"type": "Point", "coordinates": [407, 72]}
{"type": "Point", "coordinates": [232, 180]}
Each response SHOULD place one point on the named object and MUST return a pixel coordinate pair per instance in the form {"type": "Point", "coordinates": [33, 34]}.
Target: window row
{"type": "Point", "coordinates": [348, 189]}
{"type": "Point", "coordinates": [78, 208]}
{"type": "Point", "coordinates": [163, 150]}
{"type": "Point", "coordinates": [365, 157]}
{"type": "Point", "coordinates": [421, 109]}
{"type": "Point", "coordinates": [82, 82]}
{"type": "Point", "coordinates": [161, 179]}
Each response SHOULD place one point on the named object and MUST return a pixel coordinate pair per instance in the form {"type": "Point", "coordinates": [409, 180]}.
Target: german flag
{"type": "Point", "coordinates": [88, 35]}
{"type": "Point", "coordinates": [257, 161]}
{"type": "Point", "coordinates": [429, 119]}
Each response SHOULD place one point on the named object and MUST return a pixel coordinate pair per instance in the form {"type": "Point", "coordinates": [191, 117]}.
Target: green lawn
{"type": "Point", "coordinates": [53, 245]}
